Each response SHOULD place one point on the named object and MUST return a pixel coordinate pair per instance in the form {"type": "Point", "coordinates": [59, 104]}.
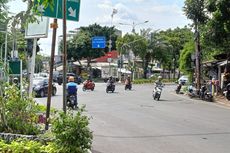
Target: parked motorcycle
{"type": "Point", "coordinates": [72, 101]}
{"type": "Point", "coordinates": [193, 92]}
{"type": "Point", "coordinates": [205, 95]}
{"type": "Point", "coordinates": [178, 88]}
{"type": "Point", "coordinates": [110, 87]}
{"type": "Point", "coordinates": [157, 92]}
{"type": "Point", "coordinates": [88, 85]}
{"type": "Point", "coordinates": [227, 92]}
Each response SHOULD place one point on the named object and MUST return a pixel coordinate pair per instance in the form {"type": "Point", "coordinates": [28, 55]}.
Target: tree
{"type": "Point", "coordinates": [217, 32]}
{"type": "Point", "coordinates": [176, 39]}
{"type": "Point", "coordinates": [134, 42]}
{"type": "Point", "coordinates": [185, 60]}
{"type": "Point", "coordinates": [80, 46]}
{"type": "Point", "coordinates": [195, 10]}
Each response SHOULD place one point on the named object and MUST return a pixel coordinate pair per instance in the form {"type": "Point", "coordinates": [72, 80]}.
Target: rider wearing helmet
{"type": "Point", "coordinates": [158, 81]}
{"type": "Point", "coordinates": [71, 87]}
{"type": "Point", "coordinates": [110, 79]}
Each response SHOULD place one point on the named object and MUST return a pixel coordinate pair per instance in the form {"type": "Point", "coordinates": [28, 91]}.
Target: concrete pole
{"type": "Point", "coordinates": [32, 65]}
{"type": "Point", "coordinates": [5, 58]}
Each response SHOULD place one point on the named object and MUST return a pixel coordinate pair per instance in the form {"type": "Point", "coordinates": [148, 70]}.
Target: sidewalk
{"type": "Point", "coordinates": [221, 100]}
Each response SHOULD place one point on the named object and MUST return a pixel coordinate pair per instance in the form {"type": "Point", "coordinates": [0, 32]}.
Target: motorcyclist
{"type": "Point", "coordinates": [158, 82]}
{"type": "Point", "coordinates": [71, 87]}
{"type": "Point", "coordinates": [110, 80]}
{"type": "Point", "coordinates": [128, 80]}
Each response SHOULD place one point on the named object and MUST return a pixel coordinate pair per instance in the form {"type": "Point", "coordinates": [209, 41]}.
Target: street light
{"type": "Point", "coordinates": [110, 40]}
{"type": "Point", "coordinates": [134, 25]}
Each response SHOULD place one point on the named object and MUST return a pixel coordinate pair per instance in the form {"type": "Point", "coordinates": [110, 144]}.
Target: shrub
{"type": "Point", "coordinates": [17, 114]}
{"type": "Point", "coordinates": [72, 133]}
{"type": "Point", "coordinates": [26, 146]}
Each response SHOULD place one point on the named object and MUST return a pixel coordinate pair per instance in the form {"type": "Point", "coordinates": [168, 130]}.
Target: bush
{"type": "Point", "coordinates": [152, 80]}
{"type": "Point", "coordinates": [26, 146]}
{"type": "Point", "coordinates": [17, 114]}
{"type": "Point", "coordinates": [72, 133]}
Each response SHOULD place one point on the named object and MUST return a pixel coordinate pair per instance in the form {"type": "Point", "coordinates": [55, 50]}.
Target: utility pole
{"type": "Point", "coordinates": [198, 56]}
{"type": "Point", "coordinates": [54, 25]}
{"type": "Point", "coordinates": [64, 55]}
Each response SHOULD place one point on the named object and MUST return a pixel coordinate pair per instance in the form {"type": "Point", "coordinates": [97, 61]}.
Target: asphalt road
{"type": "Point", "coordinates": [132, 122]}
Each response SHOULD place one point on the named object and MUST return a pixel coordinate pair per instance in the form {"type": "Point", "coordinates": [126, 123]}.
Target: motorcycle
{"type": "Point", "coordinates": [72, 101]}
{"type": "Point", "coordinates": [128, 85]}
{"type": "Point", "coordinates": [110, 87]}
{"type": "Point", "coordinates": [157, 92]}
{"type": "Point", "coordinates": [227, 92]}
{"type": "Point", "coordinates": [88, 85]}
{"type": "Point", "coordinates": [205, 95]}
{"type": "Point", "coordinates": [178, 88]}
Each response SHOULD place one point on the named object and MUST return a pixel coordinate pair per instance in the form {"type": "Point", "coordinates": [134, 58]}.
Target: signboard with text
{"type": "Point", "coordinates": [98, 42]}
{"type": "Point", "coordinates": [55, 10]}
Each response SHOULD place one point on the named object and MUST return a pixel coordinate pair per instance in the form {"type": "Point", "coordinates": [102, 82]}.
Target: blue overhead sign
{"type": "Point", "coordinates": [98, 42]}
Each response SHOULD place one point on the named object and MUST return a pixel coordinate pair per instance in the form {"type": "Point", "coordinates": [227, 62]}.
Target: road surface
{"type": "Point", "coordinates": [132, 122]}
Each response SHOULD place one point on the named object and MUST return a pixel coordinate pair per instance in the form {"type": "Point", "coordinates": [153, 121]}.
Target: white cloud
{"type": "Point", "coordinates": [162, 14]}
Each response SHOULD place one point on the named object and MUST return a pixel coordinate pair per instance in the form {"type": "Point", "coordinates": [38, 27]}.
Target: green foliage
{"type": "Point", "coordinates": [26, 146]}
{"type": "Point", "coordinates": [152, 80]}
{"type": "Point", "coordinates": [195, 10]}
{"type": "Point", "coordinates": [80, 46]}
{"type": "Point", "coordinates": [72, 133]}
{"type": "Point", "coordinates": [18, 114]}
{"type": "Point", "coordinates": [185, 57]}
{"type": "Point", "coordinates": [218, 26]}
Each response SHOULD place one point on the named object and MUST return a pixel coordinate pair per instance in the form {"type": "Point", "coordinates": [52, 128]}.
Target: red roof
{"type": "Point", "coordinates": [113, 54]}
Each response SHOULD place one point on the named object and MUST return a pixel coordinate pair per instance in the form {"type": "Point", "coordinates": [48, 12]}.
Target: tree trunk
{"type": "Point", "coordinates": [88, 65]}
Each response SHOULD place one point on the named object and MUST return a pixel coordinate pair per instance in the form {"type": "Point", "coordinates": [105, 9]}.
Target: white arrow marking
{"type": "Point", "coordinates": [72, 12]}
{"type": "Point", "coordinates": [41, 9]}
{"type": "Point", "coordinates": [98, 46]}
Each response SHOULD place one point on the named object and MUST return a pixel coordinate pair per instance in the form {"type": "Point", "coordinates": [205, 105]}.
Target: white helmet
{"type": "Point", "coordinates": [159, 77]}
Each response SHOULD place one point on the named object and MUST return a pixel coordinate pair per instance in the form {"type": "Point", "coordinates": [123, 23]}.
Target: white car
{"type": "Point", "coordinates": [183, 79]}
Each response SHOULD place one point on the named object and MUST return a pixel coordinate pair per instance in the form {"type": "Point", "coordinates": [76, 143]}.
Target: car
{"type": "Point", "coordinates": [78, 80]}
{"type": "Point", "coordinates": [40, 87]}
{"type": "Point", "coordinates": [183, 80]}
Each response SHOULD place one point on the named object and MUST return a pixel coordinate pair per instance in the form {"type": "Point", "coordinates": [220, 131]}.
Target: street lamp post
{"type": "Point", "coordinates": [133, 31]}
{"type": "Point", "coordinates": [110, 39]}
{"type": "Point", "coordinates": [134, 25]}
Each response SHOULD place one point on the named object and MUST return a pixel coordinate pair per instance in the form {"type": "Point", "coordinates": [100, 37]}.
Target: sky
{"type": "Point", "coordinates": [160, 14]}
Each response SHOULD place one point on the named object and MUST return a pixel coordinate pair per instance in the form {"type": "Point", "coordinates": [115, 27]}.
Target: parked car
{"type": "Point", "coordinates": [78, 80]}
{"type": "Point", "coordinates": [40, 87]}
{"type": "Point", "coordinates": [183, 80]}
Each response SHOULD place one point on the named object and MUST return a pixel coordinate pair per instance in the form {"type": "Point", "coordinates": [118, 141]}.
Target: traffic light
{"type": "Point", "coordinates": [30, 43]}
{"type": "Point", "coordinates": [30, 47]}
{"type": "Point", "coordinates": [120, 63]}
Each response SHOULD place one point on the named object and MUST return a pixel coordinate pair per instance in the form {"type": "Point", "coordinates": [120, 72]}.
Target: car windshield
{"type": "Point", "coordinates": [37, 81]}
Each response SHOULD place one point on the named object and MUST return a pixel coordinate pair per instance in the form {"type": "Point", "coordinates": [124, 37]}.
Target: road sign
{"type": "Point", "coordinates": [55, 11]}
{"type": "Point", "coordinates": [38, 29]}
{"type": "Point", "coordinates": [98, 42]}
{"type": "Point", "coordinates": [109, 55]}
{"type": "Point", "coordinates": [14, 67]}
